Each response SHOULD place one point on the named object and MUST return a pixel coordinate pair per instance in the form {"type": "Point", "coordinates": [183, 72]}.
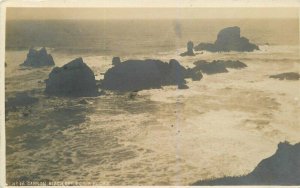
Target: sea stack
{"type": "Point", "coordinates": [38, 58]}
{"type": "Point", "coordinates": [190, 49]}
{"type": "Point", "coordinates": [228, 39]}
{"type": "Point", "coordinates": [73, 79]}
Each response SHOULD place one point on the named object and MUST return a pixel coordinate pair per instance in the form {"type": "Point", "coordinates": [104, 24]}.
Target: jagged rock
{"type": "Point", "coordinates": [190, 49]}
{"type": "Point", "coordinates": [38, 58]}
{"type": "Point", "coordinates": [73, 79]}
{"type": "Point", "coordinates": [132, 75]}
{"type": "Point", "coordinates": [287, 76]}
{"type": "Point", "coordinates": [282, 168]}
{"type": "Point", "coordinates": [228, 39]}
{"type": "Point", "coordinates": [20, 100]}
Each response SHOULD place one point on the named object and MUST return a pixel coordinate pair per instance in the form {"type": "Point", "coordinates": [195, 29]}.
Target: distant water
{"type": "Point", "coordinates": [125, 37]}
{"type": "Point", "coordinates": [224, 124]}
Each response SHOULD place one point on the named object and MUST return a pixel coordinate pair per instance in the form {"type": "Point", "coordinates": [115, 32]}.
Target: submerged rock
{"type": "Point", "coordinates": [282, 168]}
{"type": "Point", "coordinates": [217, 66]}
{"type": "Point", "coordinates": [38, 58]}
{"type": "Point", "coordinates": [228, 39]}
{"type": "Point", "coordinates": [287, 76]}
{"type": "Point", "coordinates": [20, 100]}
{"type": "Point", "coordinates": [210, 67]}
{"type": "Point", "coordinates": [190, 49]}
{"type": "Point", "coordinates": [132, 75]}
{"type": "Point", "coordinates": [73, 79]}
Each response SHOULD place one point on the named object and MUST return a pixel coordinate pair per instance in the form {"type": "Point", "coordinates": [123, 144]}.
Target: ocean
{"type": "Point", "coordinates": [223, 125]}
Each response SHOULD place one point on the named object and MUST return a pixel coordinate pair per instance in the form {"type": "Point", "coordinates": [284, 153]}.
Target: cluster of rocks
{"type": "Point", "coordinates": [38, 58]}
{"type": "Point", "coordinates": [77, 79]}
{"type": "Point", "coordinates": [132, 75]}
{"type": "Point", "coordinates": [73, 79]}
{"type": "Point", "coordinates": [286, 76]}
{"type": "Point", "coordinates": [228, 39]}
{"type": "Point", "coordinates": [217, 66]}
{"type": "Point", "coordinates": [282, 168]}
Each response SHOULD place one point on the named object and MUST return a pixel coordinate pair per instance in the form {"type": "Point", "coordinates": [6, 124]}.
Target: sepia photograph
{"type": "Point", "coordinates": [150, 95]}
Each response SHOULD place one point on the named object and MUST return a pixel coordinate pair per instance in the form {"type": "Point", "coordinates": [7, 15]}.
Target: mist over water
{"type": "Point", "coordinates": [224, 124]}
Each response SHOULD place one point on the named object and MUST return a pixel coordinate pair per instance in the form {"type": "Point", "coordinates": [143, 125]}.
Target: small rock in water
{"type": "Point", "coordinates": [286, 76]}
{"type": "Point", "coordinates": [190, 49]}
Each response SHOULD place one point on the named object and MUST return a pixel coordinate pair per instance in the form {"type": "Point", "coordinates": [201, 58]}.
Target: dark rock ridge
{"type": "Point", "coordinates": [282, 168]}
{"type": "Point", "coordinates": [217, 66]}
{"type": "Point", "coordinates": [134, 75]}
{"type": "Point", "coordinates": [38, 58]}
{"type": "Point", "coordinates": [73, 79]}
{"type": "Point", "coordinates": [287, 76]}
{"type": "Point", "coordinates": [190, 49]}
{"type": "Point", "coordinates": [228, 39]}
{"type": "Point", "coordinates": [20, 100]}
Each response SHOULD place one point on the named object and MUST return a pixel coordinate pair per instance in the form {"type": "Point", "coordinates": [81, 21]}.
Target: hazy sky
{"type": "Point", "coordinates": [149, 13]}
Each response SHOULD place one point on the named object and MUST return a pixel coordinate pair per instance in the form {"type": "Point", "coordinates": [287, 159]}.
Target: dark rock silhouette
{"type": "Point", "coordinates": [20, 100]}
{"type": "Point", "coordinates": [282, 168]}
{"type": "Point", "coordinates": [38, 58]}
{"type": "Point", "coordinates": [287, 76]}
{"type": "Point", "coordinates": [217, 66]}
{"type": "Point", "coordinates": [132, 75]}
{"type": "Point", "coordinates": [73, 79]}
{"type": "Point", "coordinates": [228, 39]}
{"type": "Point", "coordinates": [190, 49]}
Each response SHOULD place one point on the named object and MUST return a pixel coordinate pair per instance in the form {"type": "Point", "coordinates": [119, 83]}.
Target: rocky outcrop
{"type": "Point", "coordinates": [228, 39]}
{"type": "Point", "coordinates": [135, 75]}
{"type": "Point", "coordinates": [73, 79]}
{"type": "Point", "coordinates": [190, 49]}
{"type": "Point", "coordinates": [287, 76]}
{"type": "Point", "coordinates": [38, 58]}
{"type": "Point", "coordinates": [282, 168]}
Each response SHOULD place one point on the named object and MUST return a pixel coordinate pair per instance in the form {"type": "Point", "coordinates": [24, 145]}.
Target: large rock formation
{"type": "Point", "coordinates": [228, 39]}
{"type": "Point", "coordinates": [190, 49]}
{"type": "Point", "coordinates": [73, 79]}
{"type": "Point", "coordinates": [287, 76]}
{"type": "Point", "coordinates": [134, 75]}
{"type": "Point", "coordinates": [38, 58]}
{"type": "Point", "coordinates": [282, 168]}
{"type": "Point", "coordinates": [217, 66]}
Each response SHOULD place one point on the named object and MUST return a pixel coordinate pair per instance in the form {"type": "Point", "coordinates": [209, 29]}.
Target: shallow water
{"type": "Point", "coordinates": [222, 125]}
